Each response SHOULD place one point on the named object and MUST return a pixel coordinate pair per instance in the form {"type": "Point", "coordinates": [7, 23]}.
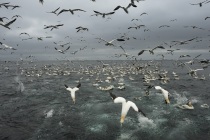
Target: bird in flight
{"type": "Point", "coordinates": [151, 51]}
{"type": "Point", "coordinates": [70, 10]}
{"type": "Point", "coordinates": [62, 51]}
{"type": "Point", "coordinates": [103, 14]}
{"type": "Point", "coordinates": [81, 28]}
{"type": "Point", "coordinates": [53, 26]}
{"type": "Point", "coordinates": [6, 25]}
{"type": "Point", "coordinates": [54, 12]}
{"type": "Point", "coordinates": [109, 43]}
{"type": "Point", "coordinates": [125, 8]}
{"type": "Point", "coordinates": [6, 46]}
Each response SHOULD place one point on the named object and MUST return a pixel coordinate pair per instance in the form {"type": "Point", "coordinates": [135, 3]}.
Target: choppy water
{"type": "Point", "coordinates": [41, 107]}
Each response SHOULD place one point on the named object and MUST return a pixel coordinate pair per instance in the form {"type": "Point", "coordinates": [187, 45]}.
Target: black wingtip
{"type": "Point", "coordinates": [112, 95]}
{"type": "Point", "coordinates": [79, 85]}
{"type": "Point", "coordinates": [142, 112]}
{"type": "Point", "coordinates": [66, 86]}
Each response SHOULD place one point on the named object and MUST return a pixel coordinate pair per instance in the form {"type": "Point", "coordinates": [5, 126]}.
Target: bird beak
{"type": "Point", "coordinates": [122, 119]}
{"type": "Point", "coordinates": [167, 101]}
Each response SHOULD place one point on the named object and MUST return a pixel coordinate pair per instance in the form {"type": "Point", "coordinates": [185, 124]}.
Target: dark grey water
{"type": "Point", "coordinates": [44, 109]}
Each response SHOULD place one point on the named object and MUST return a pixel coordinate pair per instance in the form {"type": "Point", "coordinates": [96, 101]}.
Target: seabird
{"type": "Point", "coordinates": [62, 51]}
{"type": "Point", "coordinates": [103, 14]}
{"type": "Point", "coordinates": [70, 10]}
{"type": "Point", "coordinates": [125, 8]}
{"type": "Point", "coordinates": [73, 90]}
{"type": "Point", "coordinates": [54, 12]}
{"type": "Point", "coordinates": [6, 25]}
{"type": "Point", "coordinates": [125, 106]}
{"type": "Point", "coordinates": [187, 106]}
{"type": "Point", "coordinates": [109, 43]}
{"type": "Point", "coordinates": [165, 93]}
{"type": "Point", "coordinates": [7, 47]}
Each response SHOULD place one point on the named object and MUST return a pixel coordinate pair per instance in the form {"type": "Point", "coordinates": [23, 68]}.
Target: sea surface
{"type": "Point", "coordinates": [35, 105]}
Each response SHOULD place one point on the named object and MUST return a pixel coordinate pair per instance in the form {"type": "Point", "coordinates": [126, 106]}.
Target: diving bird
{"type": "Point", "coordinates": [73, 90]}
{"type": "Point", "coordinates": [165, 94]}
{"type": "Point", "coordinates": [125, 106]}
{"type": "Point", "coordinates": [6, 25]}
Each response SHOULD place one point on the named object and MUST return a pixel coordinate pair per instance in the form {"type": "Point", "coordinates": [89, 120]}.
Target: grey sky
{"type": "Point", "coordinates": [159, 12]}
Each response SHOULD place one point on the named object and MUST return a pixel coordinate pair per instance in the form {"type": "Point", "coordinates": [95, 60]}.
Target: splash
{"type": "Point", "coordinates": [20, 87]}
{"type": "Point", "coordinates": [145, 122]}
{"type": "Point", "coordinates": [49, 113]}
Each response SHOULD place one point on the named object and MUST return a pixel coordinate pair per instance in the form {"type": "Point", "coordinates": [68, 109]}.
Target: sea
{"type": "Point", "coordinates": [35, 105]}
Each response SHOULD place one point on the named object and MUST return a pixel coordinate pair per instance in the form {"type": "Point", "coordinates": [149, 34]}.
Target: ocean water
{"type": "Point", "coordinates": [35, 105]}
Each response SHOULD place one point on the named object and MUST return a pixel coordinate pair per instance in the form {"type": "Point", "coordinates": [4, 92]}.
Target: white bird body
{"type": "Point", "coordinates": [187, 106]}
{"type": "Point", "coordinates": [164, 92]}
{"type": "Point", "coordinates": [72, 91]}
{"type": "Point", "coordinates": [125, 106]}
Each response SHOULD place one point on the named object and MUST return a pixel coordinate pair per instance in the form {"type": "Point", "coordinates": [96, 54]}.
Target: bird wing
{"type": "Point", "coordinates": [79, 85]}
{"type": "Point", "coordinates": [117, 8]}
{"type": "Point", "coordinates": [10, 22]}
{"type": "Point", "coordinates": [110, 13]}
{"type": "Point", "coordinates": [97, 12]}
{"type": "Point", "coordinates": [141, 52]}
{"type": "Point", "coordinates": [63, 10]}
{"type": "Point", "coordinates": [112, 95]}
{"type": "Point", "coordinates": [133, 105]}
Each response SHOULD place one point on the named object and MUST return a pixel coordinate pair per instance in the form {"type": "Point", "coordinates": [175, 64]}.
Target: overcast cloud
{"type": "Point", "coordinates": [159, 12]}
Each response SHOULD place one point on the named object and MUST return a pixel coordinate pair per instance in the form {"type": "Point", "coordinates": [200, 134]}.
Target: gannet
{"type": "Point", "coordinates": [164, 92]}
{"type": "Point", "coordinates": [73, 90]}
{"type": "Point", "coordinates": [125, 106]}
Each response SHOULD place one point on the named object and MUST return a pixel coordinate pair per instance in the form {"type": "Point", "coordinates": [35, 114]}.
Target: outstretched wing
{"type": "Point", "coordinates": [79, 85]}
{"type": "Point", "coordinates": [112, 95]}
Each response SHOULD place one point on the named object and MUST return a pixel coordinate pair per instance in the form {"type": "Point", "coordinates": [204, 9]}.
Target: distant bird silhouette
{"type": "Point", "coordinates": [7, 24]}
{"type": "Point", "coordinates": [151, 50]}
{"type": "Point", "coordinates": [54, 12]}
{"type": "Point", "coordinates": [164, 26]}
{"type": "Point", "coordinates": [200, 3]}
{"type": "Point", "coordinates": [6, 46]}
{"type": "Point", "coordinates": [24, 33]}
{"type": "Point", "coordinates": [143, 14]}
{"type": "Point", "coordinates": [206, 18]}
{"type": "Point", "coordinates": [136, 27]}
{"type": "Point", "coordinates": [70, 10]}
{"type": "Point", "coordinates": [1, 19]}
{"type": "Point", "coordinates": [62, 51]}
{"type": "Point", "coordinates": [125, 8]}
{"type": "Point", "coordinates": [81, 28]}
{"type": "Point", "coordinates": [109, 43]}
{"type": "Point", "coordinates": [53, 26]}
{"type": "Point", "coordinates": [103, 14]}
{"type": "Point", "coordinates": [41, 1]}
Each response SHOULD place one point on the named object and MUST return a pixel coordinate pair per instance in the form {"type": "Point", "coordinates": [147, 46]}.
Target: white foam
{"type": "Point", "coordinates": [146, 122]}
